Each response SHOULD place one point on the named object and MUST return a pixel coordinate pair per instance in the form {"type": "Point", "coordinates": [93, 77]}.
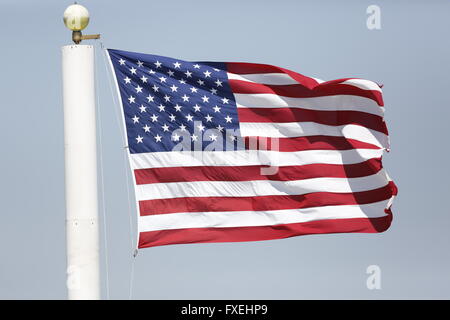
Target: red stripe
{"type": "Point", "coordinates": [300, 91]}
{"type": "Point", "coordinates": [263, 203]}
{"type": "Point", "coordinates": [332, 118]}
{"type": "Point", "coordinates": [305, 143]}
{"type": "Point", "coordinates": [249, 173]}
{"type": "Point", "coordinates": [254, 68]}
{"type": "Point", "coordinates": [238, 234]}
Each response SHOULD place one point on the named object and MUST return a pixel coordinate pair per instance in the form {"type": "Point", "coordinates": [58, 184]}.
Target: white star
{"type": "Point", "coordinates": [220, 128]}
{"type": "Point", "coordinates": [139, 139]}
{"type": "Point", "coordinates": [213, 137]}
{"type": "Point", "coordinates": [185, 98]}
{"type": "Point", "coordinates": [162, 79]}
{"type": "Point", "coordinates": [188, 74]}
{"type": "Point", "coordinates": [170, 73]}
{"type": "Point", "coordinates": [232, 138]}
{"type": "Point", "coordinates": [201, 127]}
{"type": "Point", "coordinates": [205, 99]}
{"type": "Point", "coordinates": [177, 107]}
{"type": "Point", "coordinates": [197, 108]}
{"type": "Point", "coordinates": [224, 100]}
{"type": "Point", "coordinates": [218, 83]}
{"type": "Point", "coordinates": [175, 137]}
{"type": "Point", "coordinates": [196, 66]}
{"type": "Point", "coordinates": [182, 81]}
{"type": "Point", "coordinates": [138, 89]}
{"type": "Point", "coordinates": [165, 127]}
{"type": "Point", "coordinates": [135, 119]}
{"type": "Point", "coordinates": [183, 127]}
{"type": "Point", "coordinates": [122, 62]}
{"type": "Point", "coordinates": [158, 138]}
{"type": "Point", "coordinates": [143, 108]}
{"type": "Point", "coordinates": [172, 117]}
{"type": "Point", "coordinates": [161, 108]}
{"type": "Point", "coordinates": [166, 98]}
{"type": "Point", "coordinates": [144, 79]}
{"type": "Point", "coordinates": [208, 118]}
{"type": "Point", "coordinates": [140, 63]}
{"type": "Point", "coordinates": [146, 128]}
{"type": "Point", "coordinates": [217, 70]}
{"type": "Point", "coordinates": [194, 89]}
{"type": "Point", "coordinates": [207, 74]}
{"type": "Point", "coordinates": [228, 119]}
{"type": "Point", "coordinates": [127, 80]}
{"type": "Point", "coordinates": [189, 117]}
{"type": "Point", "coordinates": [174, 88]}
{"type": "Point", "coordinates": [216, 109]}
{"type": "Point", "coordinates": [151, 71]}
{"type": "Point", "coordinates": [213, 91]}
{"type": "Point", "coordinates": [154, 118]}
{"type": "Point", "coordinates": [158, 64]}
{"type": "Point", "coordinates": [155, 88]}
{"type": "Point", "coordinates": [150, 98]}
{"type": "Point", "coordinates": [177, 65]}
{"type": "Point", "coordinates": [131, 99]}
{"type": "Point", "coordinates": [133, 70]}
{"type": "Point", "coordinates": [194, 137]}
{"type": "Point", "coordinates": [201, 82]}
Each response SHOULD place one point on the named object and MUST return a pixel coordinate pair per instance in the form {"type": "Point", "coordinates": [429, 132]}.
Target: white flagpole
{"type": "Point", "coordinates": [83, 267]}
{"type": "Point", "coordinates": [81, 172]}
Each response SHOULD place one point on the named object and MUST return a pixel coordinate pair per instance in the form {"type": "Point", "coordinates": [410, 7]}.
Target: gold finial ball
{"type": "Point", "coordinates": [76, 17]}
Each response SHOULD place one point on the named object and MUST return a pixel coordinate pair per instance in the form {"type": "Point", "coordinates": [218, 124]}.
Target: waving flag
{"type": "Point", "coordinates": [242, 151]}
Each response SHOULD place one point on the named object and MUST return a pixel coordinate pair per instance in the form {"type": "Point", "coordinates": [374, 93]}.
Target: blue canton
{"type": "Point", "coordinates": [170, 104]}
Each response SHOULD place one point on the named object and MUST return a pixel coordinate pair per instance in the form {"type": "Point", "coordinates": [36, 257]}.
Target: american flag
{"type": "Point", "coordinates": [224, 152]}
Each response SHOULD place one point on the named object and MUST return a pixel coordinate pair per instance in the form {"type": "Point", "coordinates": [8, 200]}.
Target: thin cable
{"type": "Point", "coordinates": [127, 174]}
{"type": "Point", "coordinates": [99, 123]}
{"type": "Point", "coordinates": [125, 153]}
{"type": "Point", "coordinates": [130, 295]}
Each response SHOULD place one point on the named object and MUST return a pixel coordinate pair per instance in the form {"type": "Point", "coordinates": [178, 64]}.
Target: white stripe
{"type": "Point", "coordinates": [259, 187]}
{"type": "Point", "coordinates": [264, 78]}
{"type": "Point", "coordinates": [258, 218]}
{"type": "Point", "coordinates": [363, 84]}
{"type": "Point", "coordinates": [250, 157]}
{"type": "Point", "coordinates": [305, 129]}
{"type": "Point", "coordinates": [327, 103]}
{"type": "Point", "coordinates": [318, 80]}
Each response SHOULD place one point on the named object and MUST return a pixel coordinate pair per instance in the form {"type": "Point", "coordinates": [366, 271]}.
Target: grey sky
{"type": "Point", "coordinates": [410, 55]}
